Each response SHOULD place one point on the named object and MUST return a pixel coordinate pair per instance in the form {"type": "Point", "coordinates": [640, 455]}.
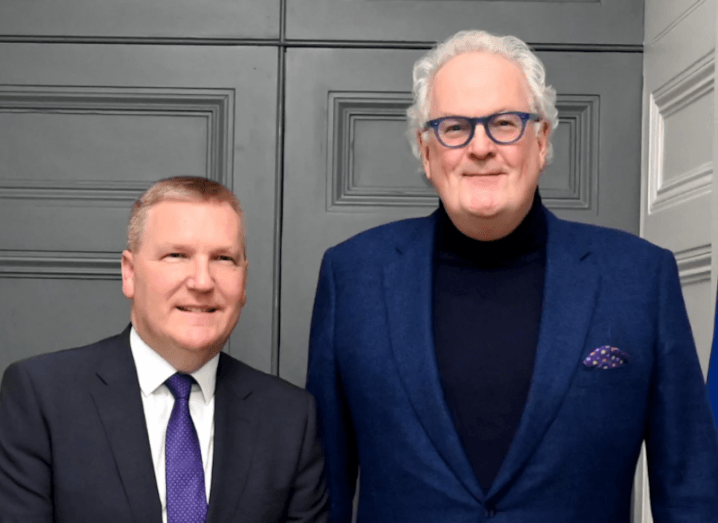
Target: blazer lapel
{"type": "Point", "coordinates": [119, 404]}
{"type": "Point", "coordinates": [408, 292]}
{"type": "Point", "coordinates": [233, 441]}
{"type": "Point", "coordinates": [570, 292]}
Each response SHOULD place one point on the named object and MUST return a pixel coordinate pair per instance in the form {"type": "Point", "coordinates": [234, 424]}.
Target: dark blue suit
{"type": "Point", "coordinates": [372, 368]}
{"type": "Point", "coordinates": [74, 445]}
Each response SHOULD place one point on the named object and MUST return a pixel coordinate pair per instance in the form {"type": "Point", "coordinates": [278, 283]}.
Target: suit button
{"type": "Point", "coordinates": [490, 512]}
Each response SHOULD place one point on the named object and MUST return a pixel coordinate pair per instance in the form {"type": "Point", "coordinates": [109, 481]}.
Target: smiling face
{"type": "Point", "coordinates": [486, 188]}
{"type": "Point", "coordinates": [186, 280]}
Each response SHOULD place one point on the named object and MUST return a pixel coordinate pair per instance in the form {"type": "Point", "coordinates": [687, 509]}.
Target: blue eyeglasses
{"type": "Point", "coordinates": [503, 128]}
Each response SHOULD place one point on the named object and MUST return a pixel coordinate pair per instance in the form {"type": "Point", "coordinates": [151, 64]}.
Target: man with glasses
{"type": "Point", "coordinates": [494, 361]}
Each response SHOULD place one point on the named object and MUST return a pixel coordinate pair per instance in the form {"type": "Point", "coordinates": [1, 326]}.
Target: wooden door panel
{"type": "Point", "coordinates": [140, 18]}
{"type": "Point", "coordinates": [58, 312]}
{"type": "Point", "coordinates": [539, 21]}
{"type": "Point", "coordinates": [84, 129]}
{"type": "Point", "coordinates": [348, 166]}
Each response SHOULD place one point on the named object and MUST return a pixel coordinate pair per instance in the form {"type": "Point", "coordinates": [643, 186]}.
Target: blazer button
{"type": "Point", "coordinates": [490, 512]}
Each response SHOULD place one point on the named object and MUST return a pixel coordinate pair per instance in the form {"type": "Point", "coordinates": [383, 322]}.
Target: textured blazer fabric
{"type": "Point", "coordinates": [373, 371]}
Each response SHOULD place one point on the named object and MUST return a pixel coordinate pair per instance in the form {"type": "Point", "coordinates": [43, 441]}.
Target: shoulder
{"type": "Point", "coordinates": [274, 392]}
{"type": "Point", "coordinates": [68, 364]}
{"type": "Point", "coordinates": [378, 242]}
{"type": "Point", "coordinates": [57, 382]}
{"type": "Point", "coordinates": [611, 246]}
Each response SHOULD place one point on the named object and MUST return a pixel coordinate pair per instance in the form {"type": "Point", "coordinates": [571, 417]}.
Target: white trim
{"type": "Point", "coordinates": [677, 94]}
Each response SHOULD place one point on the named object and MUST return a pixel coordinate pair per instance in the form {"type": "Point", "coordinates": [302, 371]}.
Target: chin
{"type": "Point", "coordinates": [201, 344]}
{"type": "Point", "coordinates": [484, 212]}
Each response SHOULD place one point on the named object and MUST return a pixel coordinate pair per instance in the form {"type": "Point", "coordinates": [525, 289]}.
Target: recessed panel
{"type": "Point", "coordinates": [569, 181]}
{"type": "Point", "coordinates": [372, 139]}
{"type": "Point", "coordinates": [688, 137]}
{"type": "Point", "coordinates": [75, 159]}
{"type": "Point", "coordinates": [556, 178]}
{"type": "Point", "coordinates": [89, 147]}
{"type": "Point", "coordinates": [370, 162]}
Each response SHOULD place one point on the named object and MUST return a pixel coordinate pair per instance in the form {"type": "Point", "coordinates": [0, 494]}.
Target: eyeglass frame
{"type": "Point", "coordinates": [483, 120]}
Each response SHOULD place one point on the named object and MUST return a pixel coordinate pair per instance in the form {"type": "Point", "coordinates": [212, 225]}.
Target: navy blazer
{"type": "Point", "coordinates": [74, 445]}
{"type": "Point", "coordinates": [373, 370]}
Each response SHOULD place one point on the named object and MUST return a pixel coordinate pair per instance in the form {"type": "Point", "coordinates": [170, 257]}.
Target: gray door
{"type": "Point", "coordinates": [297, 105]}
{"type": "Point", "coordinates": [84, 129]}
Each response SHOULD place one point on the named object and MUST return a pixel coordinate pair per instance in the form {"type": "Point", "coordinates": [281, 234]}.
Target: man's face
{"type": "Point", "coordinates": [483, 182]}
{"type": "Point", "coordinates": [187, 280]}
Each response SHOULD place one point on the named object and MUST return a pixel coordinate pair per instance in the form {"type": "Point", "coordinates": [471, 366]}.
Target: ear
{"type": "Point", "coordinates": [244, 290]}
{"type": "Point", "coordinates": [542, 139]}
{"type": "Point", "coordinates": [424, 152]}
{"type": "Point", "coordinates": [128, 274]}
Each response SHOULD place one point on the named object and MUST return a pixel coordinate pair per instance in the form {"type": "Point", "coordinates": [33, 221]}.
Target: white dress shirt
{"type": "Point", "coordinates": [157, 400]}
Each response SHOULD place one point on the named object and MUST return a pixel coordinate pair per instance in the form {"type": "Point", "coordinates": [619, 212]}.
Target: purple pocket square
{"type": "Point", "coordinates": [606, 357]}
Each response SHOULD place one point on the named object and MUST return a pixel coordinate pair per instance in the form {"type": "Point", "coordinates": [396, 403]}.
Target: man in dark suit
{"type": "Point", "coordinates": [156, 424]}
{"type": "Point", "coordinates": [492, 362]}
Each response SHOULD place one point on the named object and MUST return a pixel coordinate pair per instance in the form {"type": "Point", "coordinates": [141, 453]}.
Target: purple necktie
{"type": "Point", "coordinates": [186, 499]}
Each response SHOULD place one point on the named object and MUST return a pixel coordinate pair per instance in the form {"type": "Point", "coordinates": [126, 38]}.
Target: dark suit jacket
{"type": "Point", "coordinates": [373, 370]}
{"type": "Point", "coordinates": [74, 445]}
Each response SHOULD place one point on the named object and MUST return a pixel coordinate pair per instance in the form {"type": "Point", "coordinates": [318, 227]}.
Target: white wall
{"type": "Point", "coordinates": [677, 197]}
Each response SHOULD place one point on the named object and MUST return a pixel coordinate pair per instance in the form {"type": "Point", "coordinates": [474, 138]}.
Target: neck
{"type": "Point", "coordinates": [528, 237]}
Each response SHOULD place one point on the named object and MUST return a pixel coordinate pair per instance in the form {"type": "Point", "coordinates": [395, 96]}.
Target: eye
{"type": "Point", "coordinates": [226, 258]}
{"type": "Point", "coordinates": [454, 126]}
{"type": "Point", "coordinates": [510, 121]}
{"type": "Point", "coordinates": [176, 255]}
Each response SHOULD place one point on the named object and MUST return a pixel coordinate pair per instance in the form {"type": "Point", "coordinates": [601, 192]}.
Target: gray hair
{"type": "Point", "coordinates": [543, 97]}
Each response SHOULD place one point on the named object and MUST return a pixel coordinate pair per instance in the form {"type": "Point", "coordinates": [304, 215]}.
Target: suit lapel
{"type": "Point", "coordinates": [570, 291]}
{"type": "Point", "coordinates": [408, 292]}
{"type": "Point", "coordinates": [119, 404]}
{"type": "Point", "coordinates": [233, 440]}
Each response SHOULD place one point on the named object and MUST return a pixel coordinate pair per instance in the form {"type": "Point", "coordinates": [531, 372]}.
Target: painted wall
{"type": "Point", "coordinates": [677, 196]}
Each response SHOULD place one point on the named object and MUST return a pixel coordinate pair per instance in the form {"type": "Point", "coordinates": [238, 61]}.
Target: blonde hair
{"type": "Point", "coordinates": [179, 188]}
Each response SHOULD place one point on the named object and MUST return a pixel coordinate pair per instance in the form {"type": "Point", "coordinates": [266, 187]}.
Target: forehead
{"type": "Point", "coordinates": [192, 221]}
{"type": "Point", "coordinates": [477, 84]}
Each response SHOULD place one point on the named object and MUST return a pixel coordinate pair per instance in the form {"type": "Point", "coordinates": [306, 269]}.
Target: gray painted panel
{"type": "Point", "coordinates": [595, 177]}
{"type": "Point", "coordinates": [49, 315]}
{"type": "Point", "coordinates": [615, 81]}
{"type": "Point", "coordinates": [90, 147]}
{"type": "Point", "coordinates": [141, 18]}
{"type": "Point", "coordinates": [206, 109]}
{"type": "Point", "coordinates": [605, 22]}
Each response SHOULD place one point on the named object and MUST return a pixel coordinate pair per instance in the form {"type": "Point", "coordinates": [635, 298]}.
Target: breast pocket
{"type": "Point", "coordinates": [623, 376]}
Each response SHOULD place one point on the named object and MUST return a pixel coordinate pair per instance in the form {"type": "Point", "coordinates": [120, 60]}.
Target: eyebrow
{"type": "Point", "coordinates": [223, 249]}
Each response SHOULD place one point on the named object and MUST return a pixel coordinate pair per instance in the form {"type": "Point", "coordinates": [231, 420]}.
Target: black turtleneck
{"type": "Point", "coordinates": [487, 306]}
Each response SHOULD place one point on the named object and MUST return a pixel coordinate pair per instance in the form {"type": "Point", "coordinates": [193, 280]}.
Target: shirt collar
{"type": "Point", "coordinates": [153, 370]}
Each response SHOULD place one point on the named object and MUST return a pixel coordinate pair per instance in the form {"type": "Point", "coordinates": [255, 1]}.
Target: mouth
{"type": "Point", "coordinates": [482, 174]}
{"type": "Point", "coordinates": [197, 309]}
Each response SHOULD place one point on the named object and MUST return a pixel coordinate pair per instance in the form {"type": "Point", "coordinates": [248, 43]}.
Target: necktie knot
{"type": "Point", "coordinates": [180, 385]}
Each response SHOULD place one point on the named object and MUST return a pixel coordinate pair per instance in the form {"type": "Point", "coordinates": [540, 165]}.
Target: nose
{"type": "Point", "coordinates": [201, 278]}
{"type": "Point", "coordinates": [480, 145]}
